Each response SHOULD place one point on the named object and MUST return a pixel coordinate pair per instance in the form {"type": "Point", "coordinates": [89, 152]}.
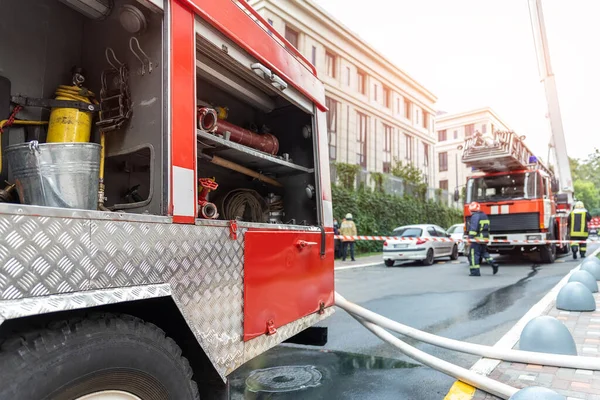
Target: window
{"type": "Point", "coordinates": [348, 76]}
{"type": "Point", "coordinates": [362, 82]}
{"type": "Point", "coordinates": [408, 231]}
{"type": "Point", "coordinates": [440, 232]}
{"type": "Point", "coordinates": [503, 187]}
{"type": "Point", "coordinates": [483, 128]}
{"type": "Point", "coordinates": [455, 134]}
{"type": "Point", "coordinates": [443, 161]}
{"type": "Point", "coordinates": [387, 97]}
{"type": "Point", "coordinates": [387, 148]}
{"type": "Point", "coordinates": [431, 231]}
{"type": "Point", "coordinates": [270, 21]}
{"type": "Point", "coordinates": [409, 141]}
{"type": "Point", "coordinates": [292, 36]}
{"type": "Point", "coordinates": [332, 107]}
{"type": "Point", "coordinates": [397, 140]}
{"type": "Point", "coordinates": [398, 105]}
{"type": "Point", "coordinates": [426, 154]}
{"type": "Point", "coordinates": [330, 64]}
{"type": "Point", "coordinates": [313, 55]}
{"type": "Point", "coordinates": [469, 130]}
{"type": "Point", "coordinates": [425, 119]}
{"type": "Point", "coordinates": [375, 92]}
{"type": "Point", "coordinates": [361, 154]}
{"type": "Point", "coordinates": [444, 184]}
{"type": "Point", "coordinates": [442, 135]}
{"type": "Point", "coordinates": [407, 109]}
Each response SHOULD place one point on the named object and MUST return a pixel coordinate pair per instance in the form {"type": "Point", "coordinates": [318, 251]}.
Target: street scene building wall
{"type": "Point", "coordinates": [451, 131]}
{"type": "Point", "coordinates": [378, 113]}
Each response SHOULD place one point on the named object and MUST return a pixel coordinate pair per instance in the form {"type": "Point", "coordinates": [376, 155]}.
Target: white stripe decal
{"type": "Point", "coordinates": [184, 192]}
{"type": "Point", "coordinates": [327, 213]}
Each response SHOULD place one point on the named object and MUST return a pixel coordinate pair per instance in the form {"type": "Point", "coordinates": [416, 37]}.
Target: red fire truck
{"type": "Point", "coordinates": [517, 192]}
{"type": "Point", "coordinates": [167, 209]}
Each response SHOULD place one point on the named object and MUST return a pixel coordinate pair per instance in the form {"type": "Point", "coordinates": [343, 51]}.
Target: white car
{"type": "Point", "coordinates": [457, 232]}
{"type": "Point", "coordinates": [412, 245]}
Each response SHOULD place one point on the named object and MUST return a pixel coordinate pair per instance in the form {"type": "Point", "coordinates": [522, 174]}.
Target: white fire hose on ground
{"type": "Point", "coordinates": [479, 381]}
{"type": "Point", "coordinates": [375, 323]}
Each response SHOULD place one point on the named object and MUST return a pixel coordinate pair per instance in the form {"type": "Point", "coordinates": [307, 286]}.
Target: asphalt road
{"type": "Point", "coordinates": [441, 299]}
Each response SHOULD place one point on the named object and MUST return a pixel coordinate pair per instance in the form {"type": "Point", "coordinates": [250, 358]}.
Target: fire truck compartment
{"type": "Point", "coordinates": [230, 82]}
{"type": "Point", "coordinates": [285, 280]}
{"type": "Point", "coordinates": [43, 40]}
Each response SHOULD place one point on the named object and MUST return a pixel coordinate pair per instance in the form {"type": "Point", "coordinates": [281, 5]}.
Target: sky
{"type": "Point", "coordinates": [478, 53]}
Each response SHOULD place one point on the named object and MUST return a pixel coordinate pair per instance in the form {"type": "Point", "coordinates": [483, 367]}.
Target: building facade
{"type": "Point", "coordinates": [377, 113]}
{"type": "Point", "coordinates": [451, 131]}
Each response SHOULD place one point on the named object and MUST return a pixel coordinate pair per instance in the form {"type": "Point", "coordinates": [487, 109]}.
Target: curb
{"type": "Point", "coordinates": [358, 266]}
{"type": "Point", "coordinates": [462, 391]}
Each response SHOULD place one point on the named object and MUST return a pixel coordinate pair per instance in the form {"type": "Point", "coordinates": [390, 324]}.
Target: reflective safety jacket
{"type": "Point", "coordinates": [479, 226]}
{"type": "Point", "coordinates": [578, 223]}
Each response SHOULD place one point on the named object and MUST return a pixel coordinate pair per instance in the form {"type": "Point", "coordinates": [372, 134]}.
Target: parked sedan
{"type": "Point", "coordinates": [457, 232]}
{"type": "Point", "coordinates": [412, 245]}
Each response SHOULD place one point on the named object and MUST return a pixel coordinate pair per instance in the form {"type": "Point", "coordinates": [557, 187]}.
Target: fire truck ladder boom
{"type": "Point", "coordinates": [502, 151]}
{"type": "Point", "coordinates": [558, 141]}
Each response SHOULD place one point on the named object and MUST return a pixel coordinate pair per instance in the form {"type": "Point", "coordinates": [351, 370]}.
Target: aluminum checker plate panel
{"type": "Point", "coordinates": [45, 255]}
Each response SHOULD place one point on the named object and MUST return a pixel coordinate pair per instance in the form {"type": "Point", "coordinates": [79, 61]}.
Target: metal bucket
{"type": "Point", "coordinates": [61, 175]}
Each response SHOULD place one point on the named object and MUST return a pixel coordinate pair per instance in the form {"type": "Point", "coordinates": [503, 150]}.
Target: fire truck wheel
{"type": "Point", "coordinates": [564, 249]}
{"type": "Point", "coordinates": [103, 353]}
{"type": "Point", "coordinates": [548, 253]}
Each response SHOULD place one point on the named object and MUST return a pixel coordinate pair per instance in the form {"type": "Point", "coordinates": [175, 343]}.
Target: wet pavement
{"type": "Point", "coordinates": [440, 299]}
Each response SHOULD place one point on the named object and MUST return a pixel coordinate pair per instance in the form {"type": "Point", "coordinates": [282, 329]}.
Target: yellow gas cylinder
{"type": "Point", "coordinates": [70, 124]}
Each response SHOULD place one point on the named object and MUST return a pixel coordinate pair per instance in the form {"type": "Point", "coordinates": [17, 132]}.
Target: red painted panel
{"type": "Point", "coordinates": [229, 19]}
{"type": "Point", "coordinates": [183, 97]}
{"type": "Point", "coordinates": [283, 282]}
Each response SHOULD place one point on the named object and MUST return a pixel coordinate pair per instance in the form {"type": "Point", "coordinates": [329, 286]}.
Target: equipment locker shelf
{"type": "Point", "coordinates": [246, 156]}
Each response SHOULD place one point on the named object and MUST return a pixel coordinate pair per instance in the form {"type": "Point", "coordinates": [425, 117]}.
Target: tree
{"type": "Point", "coordinates": [347, 174]}
{"type": "Point", "coordinates": [587, 192]}
{"type": "Point", "coordinates": [412, 177]}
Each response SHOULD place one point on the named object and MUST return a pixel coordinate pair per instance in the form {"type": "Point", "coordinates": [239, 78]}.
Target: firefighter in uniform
{"type": "Point", "coordinates": [479, 228]}
{"type": "Point", "coordinates": [578, 228]}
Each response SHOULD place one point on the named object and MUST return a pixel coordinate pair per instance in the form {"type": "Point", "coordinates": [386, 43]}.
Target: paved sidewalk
{"type": "Point", "coordinates": [574, 384]}
{"type": "Point", "coordinates": [360, 262]}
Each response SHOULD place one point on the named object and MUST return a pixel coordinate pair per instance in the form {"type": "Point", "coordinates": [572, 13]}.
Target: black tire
{"type": "Point", "coordinates": [72, 358]}
{"type": "Point", "coordinates": [564, 249]}
{"type": "Point", "coordinates": [548, 253]}
{"type": "Point", "coordinates": [429, 257]}
{"type": "Point", "coordinates": [389, 263]}
{"type": "Point", "coordinates": [454, 255]}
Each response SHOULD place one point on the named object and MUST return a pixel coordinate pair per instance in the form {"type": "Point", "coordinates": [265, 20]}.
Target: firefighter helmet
{"type": "Point", "coordinates": [474, 206]}
{"type": "Point", "coordinates": [579, 205]}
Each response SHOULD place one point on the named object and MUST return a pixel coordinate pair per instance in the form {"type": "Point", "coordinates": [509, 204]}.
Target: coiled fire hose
{"type": "Point", "coordinates": [244, 202]}
{"type": "Point", "coordinates": [376, 324]}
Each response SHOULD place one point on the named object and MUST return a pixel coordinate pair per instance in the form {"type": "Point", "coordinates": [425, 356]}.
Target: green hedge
{"type": "Point", "coordinates": [378, 213]}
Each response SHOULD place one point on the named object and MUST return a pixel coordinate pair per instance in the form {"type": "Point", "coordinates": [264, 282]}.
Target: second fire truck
{"type": "Point", "coordinates": [518, 193]}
